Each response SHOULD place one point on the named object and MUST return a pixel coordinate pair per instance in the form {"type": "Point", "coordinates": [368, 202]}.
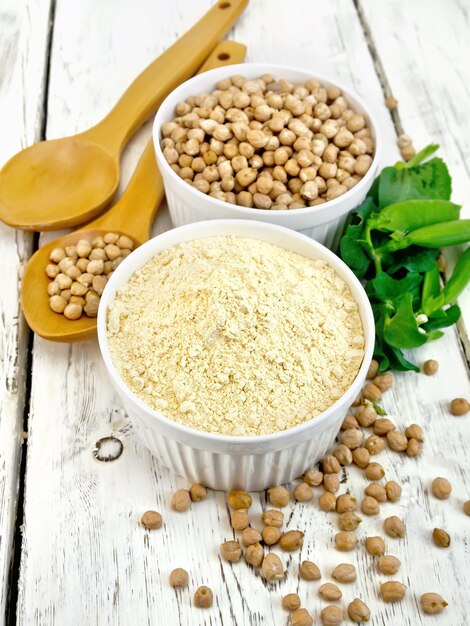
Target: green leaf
{"type": "Point", "coordinates": [398, 361]}
{"type": "Point", "coordinates": [429, 180]}
{"type": "Point", "coordinates": [413, 259]}
{"type": "Point", "coordinates": [351, 246]}
{"type": "Point", "coordinates": [402, 330]}
{"type": "Point", "coordinates": [388, 289]}
{"type": "Point", "coordinates": [378, 409]}
{"type": "Point", "coordinates": [433, 335]}
{"type": "Point", "coordinates": [435, 236]}
{"type": "Point", "coordinates": [412, 214]}
{"type": "Point", "coordinates": [442, 318]}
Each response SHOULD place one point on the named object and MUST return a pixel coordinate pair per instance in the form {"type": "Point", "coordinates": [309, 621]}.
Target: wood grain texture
{"type": "Point", "coordinates": [421, 51]}
{"type": "Point", "coordinates": [23, 45]}
{"type": "Point", "coordinates": [85, 557]}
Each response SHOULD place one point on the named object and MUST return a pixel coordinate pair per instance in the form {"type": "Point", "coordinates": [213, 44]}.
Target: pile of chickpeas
{"type": "Point", "coordinates": [79, 273]}
{"type": "Point", "coordinates": [269, 144]}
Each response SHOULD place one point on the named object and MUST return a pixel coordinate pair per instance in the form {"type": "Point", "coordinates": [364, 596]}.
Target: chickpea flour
{"type": "Point", "coordinates": [236, 336]}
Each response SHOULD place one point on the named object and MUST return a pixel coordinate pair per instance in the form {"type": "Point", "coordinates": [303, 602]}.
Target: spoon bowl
{"type": "Point", "coordinates": [80, 172]}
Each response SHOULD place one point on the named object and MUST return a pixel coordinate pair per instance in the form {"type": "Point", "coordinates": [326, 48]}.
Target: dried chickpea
{"type": "Point", "coordinates": [361, 457]}
{"type": "Point", "coordinates": [396, 441]}
{"type": "Point", "coordinates": [330, 465]}
{"type": "Point", "coordinates": [374, 444]}
{"type": "Point", "coordinates": [278, 496]}
{"type": "Point", "coordinates": [345, 541]}
{"type": "Point", "coordinates": [393, 491]}
{"type": "Point", "coordinates": [392, 591]}
{"type": "Point", "coordinates": [348, 521]}
{"type": "Point", "coordinates": [231, 551]}
{"type": "Point", "coordinates": [151, 520]}
{"type": "Point", "coordinates": [254, 555]}
{"type": "Point", "coordinates": [365, 415]}
{"type": "Point", "coordinates": [197, 492]}
{"type": "Point", "coordinates": [415, 432]}
{"type": "Point", "coordinates": [303, 492]}
{"type": "Point", "coordinates": [433, 603]}
{"type": "Point", "coordinates": [372, 392]}
{"type": "Point", "coordinates": [331, 482]}
{"type": "Point", "coordinates": [394, 526]}
{"type": "Point", "coordinates": [239, 499]}
{"type": "Point", "coordinates": [352, 438]}
{"type": "Point", "coordinates": [459, 407]}
{"type": "Point", "coordinates": [271, 535]}
{"type": "Point", "coordinates": [343, 454]}
{"type": "Point", "coordinates": [309, 571]}
{"type": "Point", "coordinates": [179, 577]}
{"type": "Point", "coordinates": [375, 546]}
{"type": "Point", "coordinates": [430, 367]}
{"type": "Point", "coordinates": [345, 503]}
{"type": "Point", "coordinates": [358, 611]}
{"type": "Point", "coordinates": [301, 617]}
{"type": "Point", "coordinates": [382, 426]}
{"type": "Point", "coordinates": [313, 477]}
{"type": "Point", "coordinates": [414, 448]}
{"type": "Point", "coordinates": [332, 616]}
{"type": "Point", "coordinates": [181, 500]}
{"type": "Point", "coordinates": [330, 592]}
{"type": "Point", "coordinates": [272, 517]}
{"type": "Point", "coordinates": [350, 423]}
{"type": "Point", "coordinates": [203, 597]}
{"type": "Point", "coordinates": [441, 488]}
{"type": "Point", "coordinates": [370, 506]}
{"type": "Point", "coordinates": [272, 568]}
{"type": "Point", "coordinates": [389, 565]}
{"type": "Point", "coordinates": [291, 602]}
{"type": "Point", "coordinates": [250, 536]}
{"type": "Point", "coordinates": [327, 501]}
{"type": "Point", "coordinates": [291, 540]}
{"type": "Point", "coordinates": [344, 573]}
{"type": "Point", "coordinates": [239, 519]}
{"type": "Point", "coordinates": [376, 491]}
{"type": "Point", "coordinates": [466, 507]}
{"type": "Point", "coordinates": [441, 538]}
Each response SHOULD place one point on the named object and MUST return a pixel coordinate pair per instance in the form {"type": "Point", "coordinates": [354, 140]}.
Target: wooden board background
{"type": "Point", "coordinates": [84, 557]}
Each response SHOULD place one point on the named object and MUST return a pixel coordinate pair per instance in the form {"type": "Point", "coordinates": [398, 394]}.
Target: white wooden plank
{"type": "Point", "coordinates": [422, 51]}
{"type": "Point", "coordinates": [23, 51]}
{"type": "Point", "coordinates": [86, 559]}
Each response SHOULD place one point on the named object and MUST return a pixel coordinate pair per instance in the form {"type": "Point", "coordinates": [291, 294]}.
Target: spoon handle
{"type": "Point", "coordinates": [174, 66]}
{"type": "Point", "coordinates": [135, 210]}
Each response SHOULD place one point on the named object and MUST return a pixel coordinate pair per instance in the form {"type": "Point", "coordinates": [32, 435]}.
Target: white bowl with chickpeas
{"type": "Point", "coordinates": [266, 142]}
{"type": "Point", "coordinates": [209, 456]}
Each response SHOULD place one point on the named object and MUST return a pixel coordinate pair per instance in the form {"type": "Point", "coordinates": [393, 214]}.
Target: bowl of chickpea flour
{"type": "Point", "coordinates": [236, 347]}
{"type": "Point", "coordinates": [266, 142]}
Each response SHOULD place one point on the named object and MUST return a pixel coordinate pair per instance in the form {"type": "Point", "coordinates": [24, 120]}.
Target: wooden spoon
{"type": "Point", "coordinates": [65, 182]}
{"type": "Point", "coordinates": [132, 215]}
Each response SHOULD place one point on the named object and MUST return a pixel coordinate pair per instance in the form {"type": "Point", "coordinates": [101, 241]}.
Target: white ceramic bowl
{"type": "Point", "coordinates": [223, 461]}
{"type": "Point", "coordinates": [187, 204]}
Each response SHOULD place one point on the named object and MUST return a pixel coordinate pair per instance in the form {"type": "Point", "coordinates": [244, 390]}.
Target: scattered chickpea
{"type": "Point", "coordinates": [330, 465]}
{"type": "Point", "coordinates": [344, 573]}
{"type": "Point", "coordinates": [348, 521]}
{"type": "Point", "coordinates": [430, 367]}
{"type": "Point", "coordinates": [414, 448]}
{"type": "Point", "coordinates": [203, 597]}
{"type": "Point", "coordinates": [375, 546]}
{"type": "Point", "coordinates": [374, 444]}
{"type": "Point", "coordinates": [331, 482]}
{"type": "Point", "coordinates": [374, 471]}
{"type": "Point", "coordinates": [394, 526]}
{"type": "Point", "coordinates": [433, 603]}
{"type": "Point", "coordinates": [239, 519]}
{"type": "Point", "coordinates": [343, 454]}
{"type": "Point", "coordinates": [278, 496]}
{"type": "Point", "coordinates": [231, 551]}
{"type": "Point", "coordinates": [181, 500]}
{"type": "Point", "coordinates": [197, 492]}
{"type": "Point", "coordinates": [327, 501]}
{"type": "Point", "coordinates": [151, 520]}
{"type": "Point", "coordinates": [459, 407]}
{"type": "Point", "coordinates": [382, 426]}
{"type": "Point", "coordinates": [441, 488]}
{"type": "Point", "coordinates": [251, 536]}
{"type": "Point", "coordinates": [361, 457]}
{"type": "Point", "coordinates": [352, 438]}
{"type": "Point", "coordinates": [366, 415]}
{"type": "Point", "coordinates": [239, 499]}
{"type": "Point", "coordinates": [345, 541]}
{"type": "Point", "coordinates": [466, 507]}
{"type": "Point", "coordinates": [376, 491]}
{"type": "Point", "coordinates": [392, 591]}
{"type": "Point", "coordinates": [313, 477]}
{"type": "Point", "coordinates": [383, 381]}
{"type": "Point", "coordinates": [345, 503]}
{"type": "Point", "coordinates": [396, 441]}
{"type": "Point", "coordinates": [291, 602]}
{"type": "Point", "coordinates": [414, 432]}
{"type": "Point", "coordinates": [291, 540]}
{"type": "Point", "coordinates": [350, 423]}
{"type": "Point", "coordinates": [358, 611]}
{"type": "Point", "coordinates": [391, 103]}
{"type": "Point", "coordinates": [441, 538]}
{"type": "Point", "coordinates": [254, 555]}
{"type": "Point", "coordinates": [370, 506]}
{"type": "Point", "coordinates": [272, 568]}
{"type": "Point", "coordinates": [389, 565]}
{"type": "Point", "coordinates": [332, 616]}
{"type": "Point", "coordinates": [393, 491]}
{"type": "Point", "coordinates": [301, 617]}
{"type": "Point", "coordinates": [372, 392]}
{"type": "Point", "coordinates": [303, 492]}
{"type": "Point", "coordinates": [272, 517]}
{"type": "Point", "coordinates": [330, 592]}
{"type": "Point", "coordinates": [373, 369]}
{"type": "Point", "coordinates": [179, 577]}
{"type": "Point", "coordinates": [309, 571]}
{"type": "Point", "coordinates": [271, 535]}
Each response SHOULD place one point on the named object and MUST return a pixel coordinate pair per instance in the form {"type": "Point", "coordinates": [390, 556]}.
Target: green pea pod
{"type": "Point", "coordinates": [435, 236]}
{"type": "Point", "coordinates": [413, 214]}
{"type": "Point", "coordinates": [431, 289]}
{"type": "Point", "coordinates": [454, 286]}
